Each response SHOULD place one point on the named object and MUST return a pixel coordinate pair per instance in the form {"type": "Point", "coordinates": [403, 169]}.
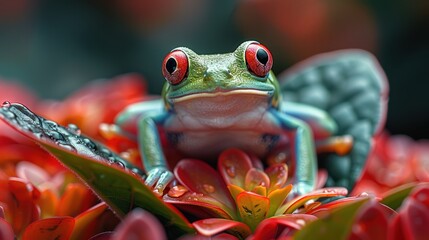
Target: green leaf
{"type": "Point", "coordinates": [121, 190]}
{"type": "Point", "coordinates": [113, 179]}
{"type": "Point", "coordinates": [396, 196]}
{"type": "Point", "coordinates": [335, 225]}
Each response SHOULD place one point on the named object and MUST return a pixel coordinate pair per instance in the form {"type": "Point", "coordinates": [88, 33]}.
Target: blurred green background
{"type": "Point", "coordinates": [54, 47]}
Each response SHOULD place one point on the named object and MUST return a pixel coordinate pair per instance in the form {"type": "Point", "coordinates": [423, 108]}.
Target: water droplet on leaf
{"type": "Point", "coordinates": [6, 104]}
{"type": "Point", "coordinates": [73, 128]}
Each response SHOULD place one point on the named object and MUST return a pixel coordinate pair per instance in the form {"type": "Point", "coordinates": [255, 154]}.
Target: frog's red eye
{"type": "Point", "coordinates": [175, 67]}
{"type": "Point", "coordinates": [258, 59]}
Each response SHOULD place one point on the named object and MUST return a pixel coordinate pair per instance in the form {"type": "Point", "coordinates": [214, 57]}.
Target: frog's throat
{"type": "Point", "coordinates": [221, 93]}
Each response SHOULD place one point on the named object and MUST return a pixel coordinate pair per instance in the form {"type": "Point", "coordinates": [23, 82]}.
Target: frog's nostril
{"type": "Point", "coordinates": [217, 75]}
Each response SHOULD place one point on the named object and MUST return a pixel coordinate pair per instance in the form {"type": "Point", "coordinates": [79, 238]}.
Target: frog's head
{"type": "Point", "coordinates": [244, 74]}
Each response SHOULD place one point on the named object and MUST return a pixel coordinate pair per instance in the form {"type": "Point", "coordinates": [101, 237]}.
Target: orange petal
{"type": "Point", "coordinates": [84, 219]}
{"type": "Point", "coordinates": [76, 199]}
{"type": "Point", "coordinates": [253, 208]}
{"type": "Point", "coordinates": [299, 201]}
{"type": "Point", "coordinates": [59, 228]}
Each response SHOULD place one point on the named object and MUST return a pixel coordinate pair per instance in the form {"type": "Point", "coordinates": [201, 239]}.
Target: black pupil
{"type": "Point", "coordinates": [262, 56]}
{"type": "Point", "coordinates": [171, 65]}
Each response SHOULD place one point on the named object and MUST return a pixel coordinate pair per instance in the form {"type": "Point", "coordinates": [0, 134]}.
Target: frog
{"type": "Point", "coordinates": [214, 102]}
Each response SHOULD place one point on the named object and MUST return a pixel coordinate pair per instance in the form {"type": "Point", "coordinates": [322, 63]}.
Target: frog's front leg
{"type": "Point", "coordinates": [303, 151]}
{"type": "Point", "coordinates": [158, 174]}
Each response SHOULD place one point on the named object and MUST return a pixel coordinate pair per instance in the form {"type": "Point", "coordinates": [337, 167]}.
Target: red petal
{"type": "Point", "coordinates": [213, 226]}
{"type": "Point", "coordinates": [278, 174]}
{"type": "Point", "coordinates": [6, 231]}
{"type": "Point", "coordinates": [25, 210]}
{"type": "Point", "coordinates": [371, 222]}
{"type": "Point", "coordinates": [412, 220]}
{"type": "Point", "coordinates": [199, 177]}
{"type": "Point", "coordinates": [255, 178]}
{"type": "Point", "coordinates": [58, 228]}
{"type": "Point", "coordinates": [233, 165]}
{"type": "Point", "coordinates": [268, 229]}
{"type": "Point", "coordinates": [421, 194]}
{"type": "Point", "coordinates": [200, 206]}
{"type": "Point", "coordinates": [139, 225]}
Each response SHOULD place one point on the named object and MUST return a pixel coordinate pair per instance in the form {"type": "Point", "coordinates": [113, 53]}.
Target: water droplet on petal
{"type": "Point", "coordinates": [230, 170]}
{"type": "Point", "coordinates": [209, 188]}
{"type": "Point", "coordinates": [300, 222]}
{"type": "Point", "coordinates": [177, 191]}
{"type": "Point", "coordinates": [6, 104]}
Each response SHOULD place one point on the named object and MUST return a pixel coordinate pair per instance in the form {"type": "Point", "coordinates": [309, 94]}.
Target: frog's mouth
{"type": "Point", "coordinates": [220, 93]}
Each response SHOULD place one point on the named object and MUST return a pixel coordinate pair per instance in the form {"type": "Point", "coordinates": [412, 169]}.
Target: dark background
{"type": "Point", "coordinates": [54, 47]}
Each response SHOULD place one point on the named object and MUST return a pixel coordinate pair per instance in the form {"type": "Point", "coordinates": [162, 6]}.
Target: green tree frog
{"type": "Point", "coordinates": [214, 102]}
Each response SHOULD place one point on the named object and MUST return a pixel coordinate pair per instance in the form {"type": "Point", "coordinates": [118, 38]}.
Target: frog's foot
{"type": "Point", "coordinates": [301, 188]}
{"type": "Point", "coordinates": [158, 178]}
{"type": "Point", "coordinates": [340, 145]}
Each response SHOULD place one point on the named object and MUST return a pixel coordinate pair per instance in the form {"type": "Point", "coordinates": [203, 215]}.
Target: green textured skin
{"type": "Point", "coordinates": [351, 86]}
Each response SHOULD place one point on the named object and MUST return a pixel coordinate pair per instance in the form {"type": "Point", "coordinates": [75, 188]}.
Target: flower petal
{"type": "Point", "coordinates": [333, 225]}
{"type": "Point", "coordinates": [233, 165]}
{"type": "Point", "coordinates": [268, 229]}
{"type": "Point", "coordinates": [277, 197]}
{"type": "Point", "coordinates": [411, 222]}
{"type": "Point", "coordinates": [32, 173]}
{"type": "Point", "coordinates": [84, 219]}
{"type": "Point", "coordinates": [6, 231]}
{"type": "Point", "coordinates": [235, 190]}
{"type": "Point", "coordinates": [421, 194]}
{"type": "Point", "coordinates": [199, 177]}
{"type": "Point", "coordinates": [278, 174]}
{"type": "Point", "coordinates": [297, 202]}
{"type": "Point", "coordinates": [371, 222]}
{"type": "Point", "coordinates": [24, 208]}
{"type": "Point", "coordinates": [139, 224]}
{"type": "Point", "coordinates": [59, 228]}
{"type": "Point", "coordinates": [255, 178]}
{"type": "Point", "coordinates": [213, 226]}
{"type": "Point", "coordinates": [48, 203]}
{"type": "Point", "coordinates": [76, 199]}
{"type": "Point", "coordinates": [253, 208]}
{"type": "Point", "coordinates": [200, 205]}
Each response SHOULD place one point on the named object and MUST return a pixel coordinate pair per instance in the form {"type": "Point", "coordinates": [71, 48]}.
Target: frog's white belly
{"type": "Point", "coordinates": [211, 143]}
{"type": "Point", "coordinates": [205, 126]}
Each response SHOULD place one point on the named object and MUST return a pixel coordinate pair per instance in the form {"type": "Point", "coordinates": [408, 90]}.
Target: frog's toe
{"type": "Point", "coordinates": [163, 181]}
{"type": "Point", "coordinates": [301, 188]}
{"type": "Point", "coordinates": [158, 178]}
